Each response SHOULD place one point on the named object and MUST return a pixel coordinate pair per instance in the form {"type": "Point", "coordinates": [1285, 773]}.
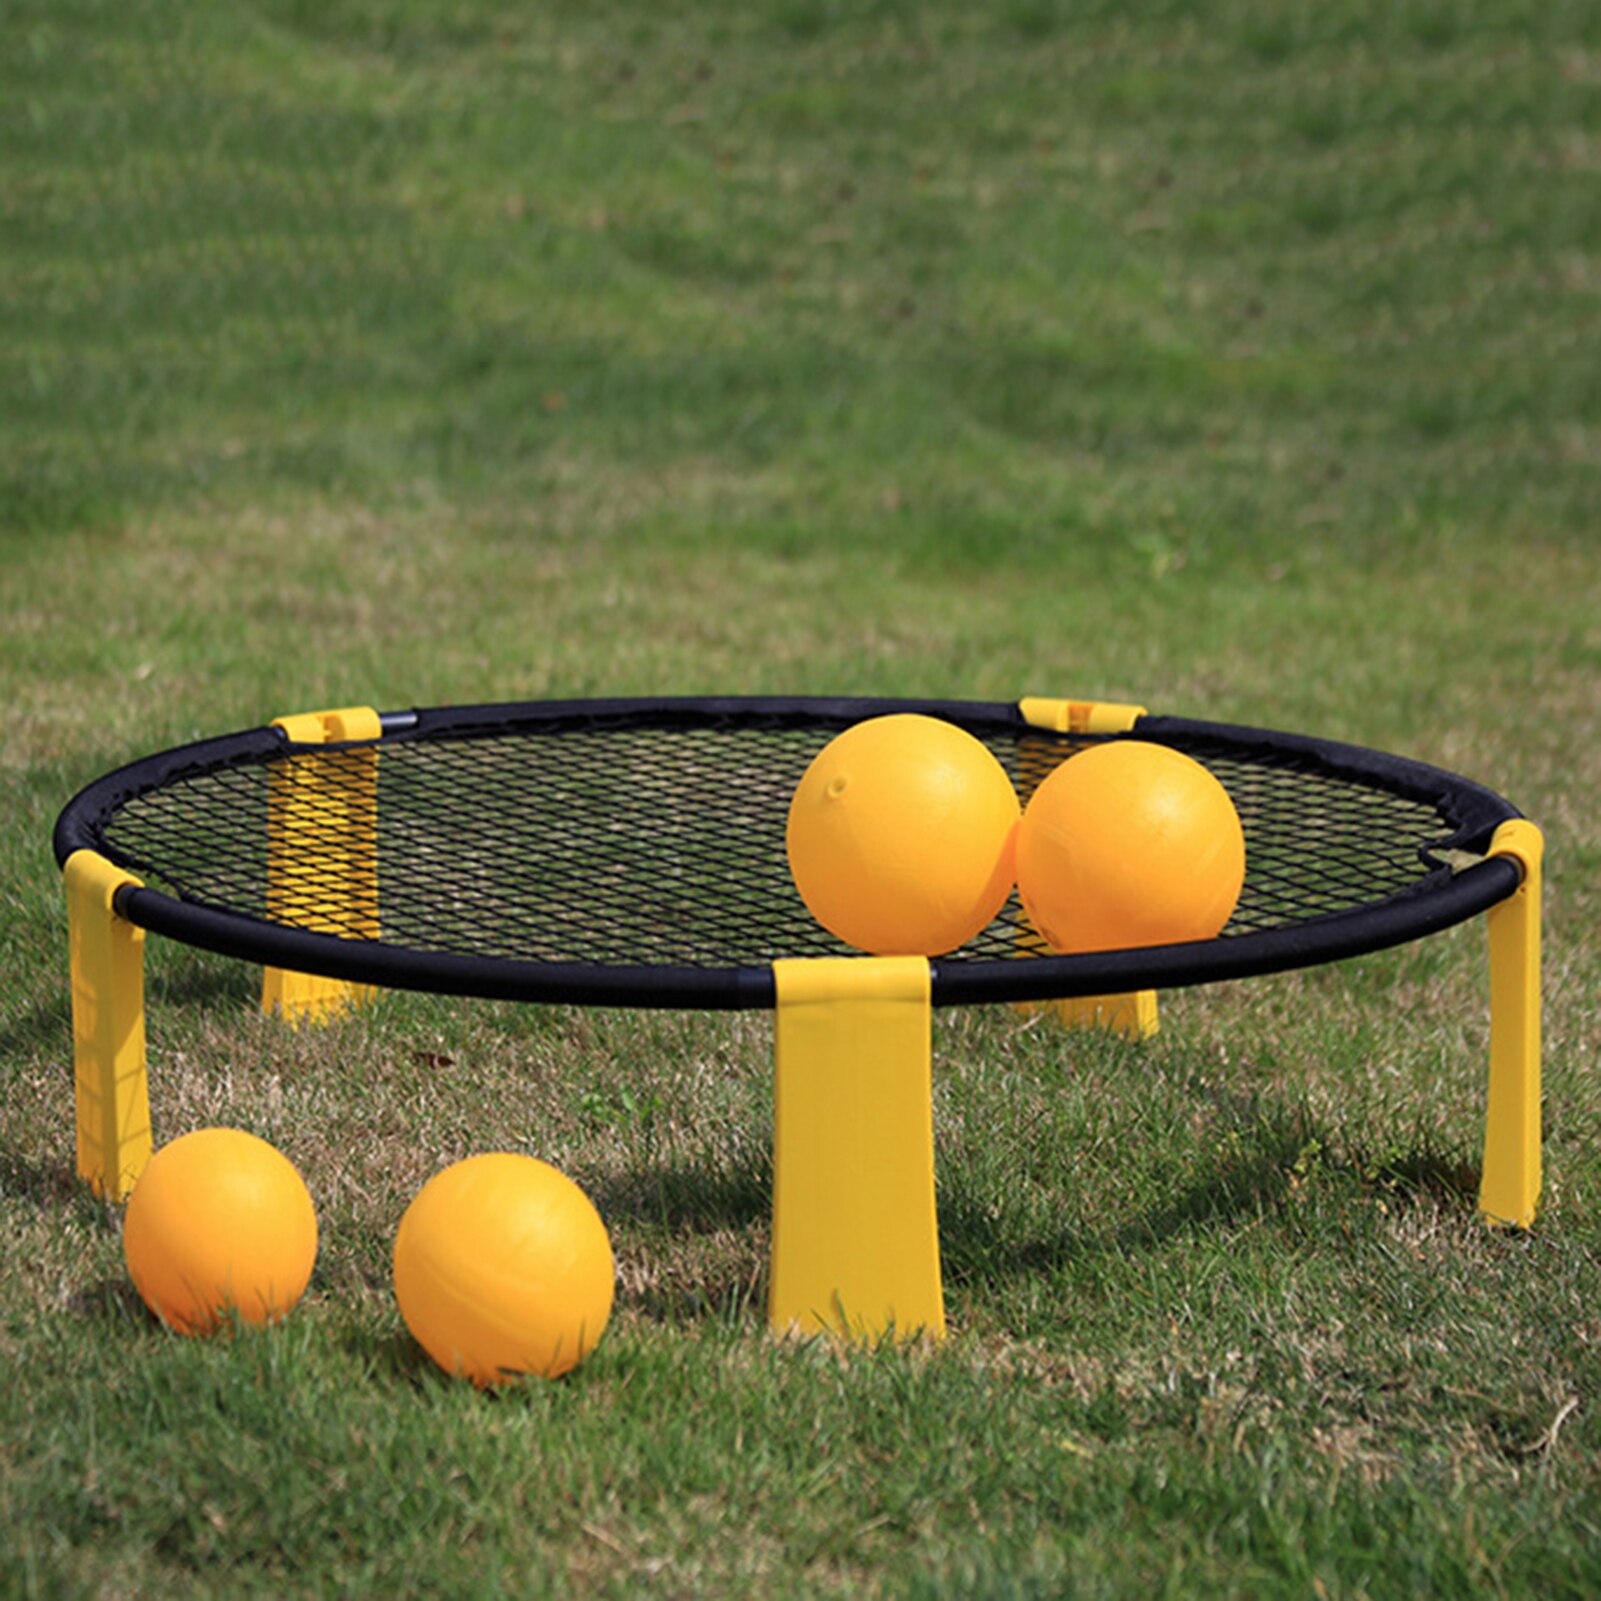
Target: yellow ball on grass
{"type": "Point", "coordinates": [503, 1268]}
{"type": "Point", "coordinates": [220, 1224]}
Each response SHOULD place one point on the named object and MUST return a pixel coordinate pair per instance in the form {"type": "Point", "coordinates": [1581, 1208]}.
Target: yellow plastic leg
{"type": "Point", "coordinates": [1133, 1015]}
{"type": "Point", "coordinates": [322, 855]}
{"type": "Point", "coordinates": [1510, 1188]}
{"type": "Point", "coordinates": [108, 1028]}
{"type": "Point", "coordinates": [855, 1237]}
{"type": "Point", "coordinates": [308, 997]}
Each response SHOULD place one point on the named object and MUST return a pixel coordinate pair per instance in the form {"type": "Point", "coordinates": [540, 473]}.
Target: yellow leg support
{"type": "Point", "coordinates": [855, 1238]}
{"type": "Point", "coordinates": [322, 855]}
{"type": "Point", "coordinates": [1510, 1188]}
{"type": "Point", "coordinates": [1133, 1015]}
{"type": "Point", "coordinates": [108, 1028]}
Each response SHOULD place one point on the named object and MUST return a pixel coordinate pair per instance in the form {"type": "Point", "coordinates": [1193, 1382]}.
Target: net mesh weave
{"type": "Point", "coordinates": [641, 845]}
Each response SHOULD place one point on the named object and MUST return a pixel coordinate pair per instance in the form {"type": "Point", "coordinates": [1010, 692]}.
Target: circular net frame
{"type": "Point", "coordinates": [639, 841]}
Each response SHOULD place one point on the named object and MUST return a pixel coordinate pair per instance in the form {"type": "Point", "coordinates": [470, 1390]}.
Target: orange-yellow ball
{"type": "Point", "coordinates": [1128, 844]}
{"type": "Point", "coordinates": [901, 836]}
{"type": "Point", "coordinates": [219, 1224]}
{"type": "Point", "coordinates": [503, 1268]}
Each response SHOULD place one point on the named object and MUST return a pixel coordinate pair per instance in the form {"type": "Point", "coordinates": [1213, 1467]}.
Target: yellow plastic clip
{"type": "Point", "coordinates": [855, 1236]}
{"type": "Point", "coordinates": [1510, 1188]}
{"type": "Point", "coordinates": [111, 1091]}
{"type": "Point", "coordinates": [331, 728]}
{"type": "Point", "coordinates": [1079, 716]}
{"type": "Point", "coordinates": [322, 854]}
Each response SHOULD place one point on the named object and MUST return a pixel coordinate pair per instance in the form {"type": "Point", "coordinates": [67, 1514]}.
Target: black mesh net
{"type": "Point", "coordinates": [627, 843]}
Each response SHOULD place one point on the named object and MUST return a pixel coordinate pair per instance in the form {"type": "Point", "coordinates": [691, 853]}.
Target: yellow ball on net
{"type": "Point", "coordinates": [219, 1225]}
{"type": "Point", "coordinates": [504, 1269]}
{"type": "Point", "coordinates": [1129, 844]}
{"type": "Point", "coordinates": [901, 836]}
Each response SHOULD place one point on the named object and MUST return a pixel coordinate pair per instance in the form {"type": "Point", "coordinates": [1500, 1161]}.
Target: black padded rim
{"type": "Point", "coordinates": [1474, 810]}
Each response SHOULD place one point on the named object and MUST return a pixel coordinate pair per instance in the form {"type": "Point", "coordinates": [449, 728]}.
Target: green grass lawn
{"type": "Point", "coordinates": [1235, 359]}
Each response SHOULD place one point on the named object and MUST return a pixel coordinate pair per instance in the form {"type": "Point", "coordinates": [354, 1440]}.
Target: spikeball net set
{"type": "Point", "coordinates": [632, 853]}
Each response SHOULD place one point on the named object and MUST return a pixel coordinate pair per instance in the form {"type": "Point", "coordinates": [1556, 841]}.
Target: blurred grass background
{"type": "Point", "coordinates": [1235, 359]}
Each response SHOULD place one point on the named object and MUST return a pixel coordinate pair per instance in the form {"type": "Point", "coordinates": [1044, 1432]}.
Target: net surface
{"type": "Point", "coordinates": [658, 846]}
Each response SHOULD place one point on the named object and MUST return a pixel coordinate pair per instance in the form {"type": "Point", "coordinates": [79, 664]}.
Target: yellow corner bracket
{"type": "Point", "coordinates": [111, 1091]}
{"type": "Point", "coordinates": [855, 1238]}
{"type": "Point", "coordinates": [322, 855]}
{"type": "Point", "coordinates": [1510, 1188]}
